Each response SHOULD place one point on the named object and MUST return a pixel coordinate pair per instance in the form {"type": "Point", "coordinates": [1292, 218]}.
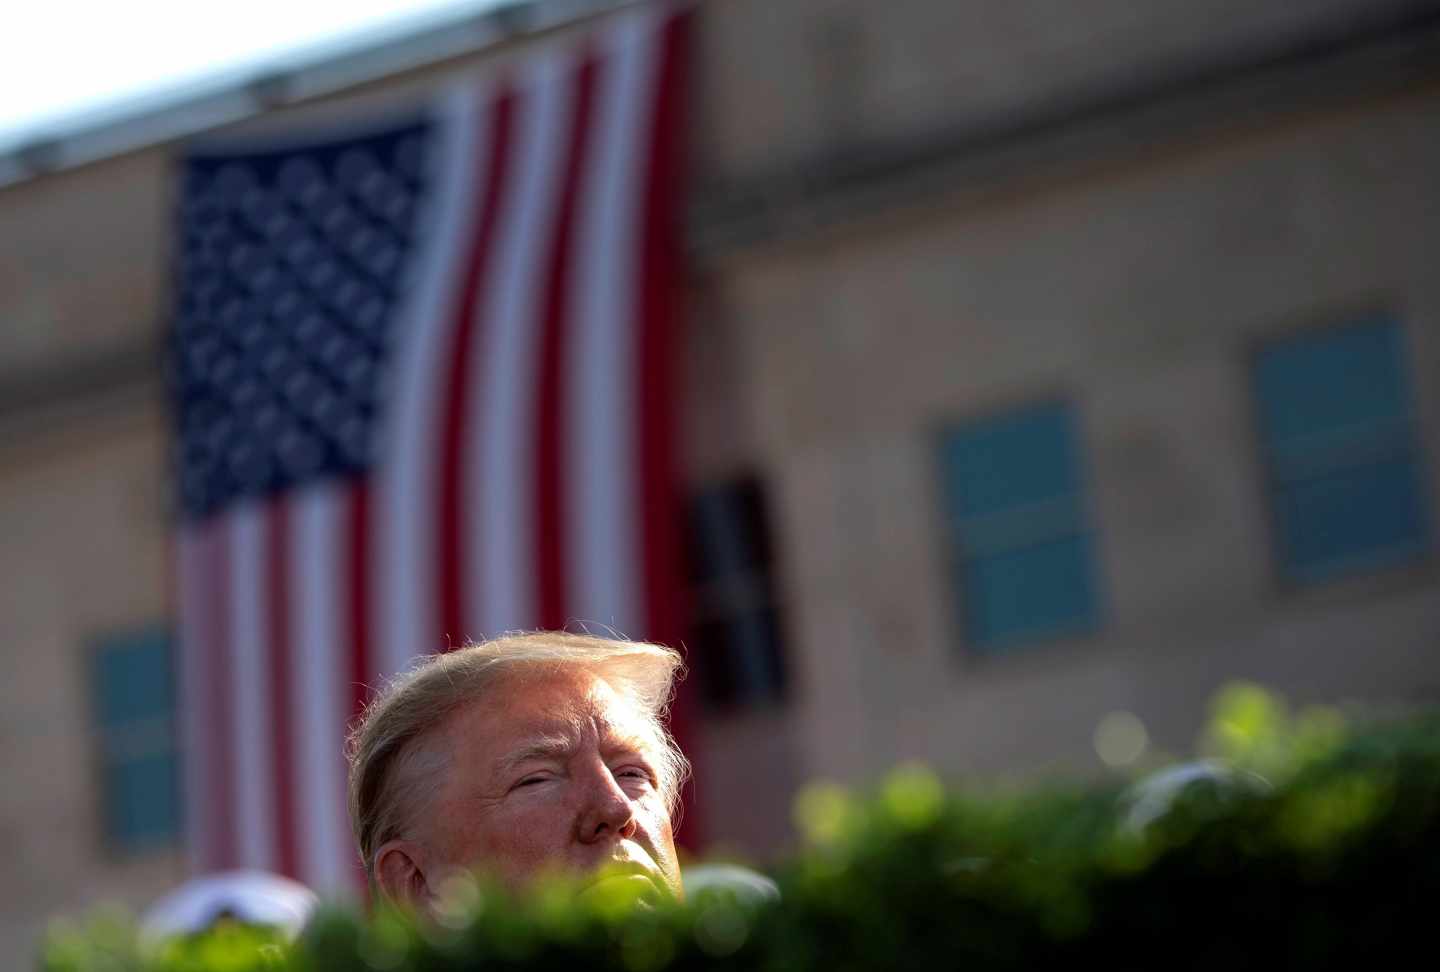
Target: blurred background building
{"type": "Point", "coordinates": [1163, 270]}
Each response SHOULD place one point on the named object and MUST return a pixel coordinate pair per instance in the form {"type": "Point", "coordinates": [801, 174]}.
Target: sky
{"type": "Point", "coordinates": [67, 63]}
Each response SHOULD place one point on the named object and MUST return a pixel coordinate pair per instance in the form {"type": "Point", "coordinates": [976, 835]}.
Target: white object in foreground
{"type": "Point", "coordinates": [251, 897]}
{"type": "Point", "coordinates": [746, 885]}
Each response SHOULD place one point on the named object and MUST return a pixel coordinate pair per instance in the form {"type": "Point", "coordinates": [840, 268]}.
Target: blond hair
{"type": "Point", "coordinates": [389, 766]}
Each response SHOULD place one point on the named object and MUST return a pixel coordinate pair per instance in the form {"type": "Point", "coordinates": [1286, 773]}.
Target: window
{"type": "Point", "coordinates": [1023, 557]}
{"type": "Point", "coordinates": [735, 631]}
{"type": "Point", "coordinates": [134, 705]}
{"type": "Point", "coordinates": [1346, 490]}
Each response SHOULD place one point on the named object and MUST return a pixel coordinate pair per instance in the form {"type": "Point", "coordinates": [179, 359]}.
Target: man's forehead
{"type": "Point", "coordinates": [551, 708]}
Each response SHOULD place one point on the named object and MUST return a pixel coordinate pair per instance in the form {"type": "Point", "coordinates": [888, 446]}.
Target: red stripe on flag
{"type": "Point", "coordinates": [549, 488]}
{"type": "Point", "coordinates": [277, 575]}
{"type": "Point", "coordinates": [658, 289]}
{"type": "Point", "coordinates": [455, 539]}
{"type": "Point", "coordinates": [357, 594]}
{"type": "Point", "coordinates": [191, 597]}
{"type": "Point", "coordinates": [221, 750]}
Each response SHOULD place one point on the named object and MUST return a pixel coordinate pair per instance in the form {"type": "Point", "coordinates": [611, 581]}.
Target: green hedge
{"type": "Point", "coordinates": [1335, 864]}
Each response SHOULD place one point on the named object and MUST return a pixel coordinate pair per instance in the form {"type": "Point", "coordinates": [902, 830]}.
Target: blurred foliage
{"type": "Point", "coordinates": [1254, 729]}
{"type": "Point", "coordinates": [1336, 863]}
{"type": "Point", "coordinates": [108, 942]}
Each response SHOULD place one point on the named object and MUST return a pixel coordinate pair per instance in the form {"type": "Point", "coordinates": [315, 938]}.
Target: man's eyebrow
{"type": "Point", "coordinates": [619, 741]}
{"type": "Point", "coordinates": [547, 746]}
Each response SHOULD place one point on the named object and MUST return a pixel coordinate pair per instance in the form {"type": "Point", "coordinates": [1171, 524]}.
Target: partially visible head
{"type": "Point", "coordinates": [529, 753]}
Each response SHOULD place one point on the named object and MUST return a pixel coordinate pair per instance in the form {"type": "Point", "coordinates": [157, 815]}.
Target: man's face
{"type": "Point", "coordinates": [552, 772]}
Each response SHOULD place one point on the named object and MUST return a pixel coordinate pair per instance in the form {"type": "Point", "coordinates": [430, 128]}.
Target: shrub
{"type": "Point", "coordinates": [1334, 863]}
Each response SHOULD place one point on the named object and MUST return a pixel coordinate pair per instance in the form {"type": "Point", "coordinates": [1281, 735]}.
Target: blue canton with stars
{"type": "Point", "coordinates": [291, 263]}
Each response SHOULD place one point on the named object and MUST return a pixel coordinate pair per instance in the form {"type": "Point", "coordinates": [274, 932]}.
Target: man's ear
{"type": "Point", "coordinates": [400, 873]}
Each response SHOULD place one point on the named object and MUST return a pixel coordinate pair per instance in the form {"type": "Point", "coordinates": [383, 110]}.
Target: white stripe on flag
{"type": "Point", "coordinates": [191, 572]}
{"type": "Point", "coordinates": [250, 708]}
{"type": "Point", "coordinates": [500, 473]}
{"type": "Point", "coordinates": [604, 558]}
{"type": "Point", "coordinates": [320, 686]}
{"type": "Point", "coordinates": [405, 575]}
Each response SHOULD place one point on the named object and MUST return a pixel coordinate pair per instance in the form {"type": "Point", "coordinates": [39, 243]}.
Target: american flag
{"type": "Point", "coordinates": [420, 372]}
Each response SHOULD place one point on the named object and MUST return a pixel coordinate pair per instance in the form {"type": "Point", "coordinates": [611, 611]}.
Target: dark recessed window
{"type": "Point", "coordinates": [735, 629]}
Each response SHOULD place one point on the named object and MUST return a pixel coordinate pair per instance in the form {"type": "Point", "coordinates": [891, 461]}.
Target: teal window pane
{"type": "Point", "coordinates": [133, 695]}
{"type": "Point", "coordinates": [1331, 380]}
{"type": "Point", "coordinates": [1022, 457]}
{"type": "Point", "coordinates": [1346, 484]}
{"type": "Point", "coordinates": [1356, 519]}
{"type": "Point", "coordinates": [133, 678]}
{"type": "Point", "coordinates": [141, 801]}
{"type": "Point", "coordinates": [1029, 595]}
{"type": "Point", "coordinates": [1024, 563]}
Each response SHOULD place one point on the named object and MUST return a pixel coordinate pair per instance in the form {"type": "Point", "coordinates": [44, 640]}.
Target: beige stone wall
{"type": "Point", "coordinates": [784, 83]}
{"type": "Point", "coordinates": [1139, 294]}
{"type": "Point", "coordinates": [82, 262]}
{"type": "Point", "coordinates": [81, 511]}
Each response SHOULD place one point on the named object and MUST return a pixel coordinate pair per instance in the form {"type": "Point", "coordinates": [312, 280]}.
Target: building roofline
{"type": "Point", "coordinates": [245, 94]}
{"type": "Point", "coordinates": [1322, 71]}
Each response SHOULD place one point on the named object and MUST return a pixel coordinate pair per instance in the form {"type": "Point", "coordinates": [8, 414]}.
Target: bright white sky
{"type": "Point", "coordinates": [66, 60]}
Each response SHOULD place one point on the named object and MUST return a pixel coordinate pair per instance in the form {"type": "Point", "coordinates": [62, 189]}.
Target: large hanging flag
{"type": "Point", "coordinates": [421, 370]}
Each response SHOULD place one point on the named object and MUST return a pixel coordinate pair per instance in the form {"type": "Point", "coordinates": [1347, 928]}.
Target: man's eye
{"type": "Point", "coordinates": [634, 773]}
{"type": "Point", "coordinates": [531, 780]}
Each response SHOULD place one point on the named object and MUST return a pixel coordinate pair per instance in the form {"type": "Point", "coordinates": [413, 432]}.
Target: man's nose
{"type": "Point", "coordinates": [606, 813]}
